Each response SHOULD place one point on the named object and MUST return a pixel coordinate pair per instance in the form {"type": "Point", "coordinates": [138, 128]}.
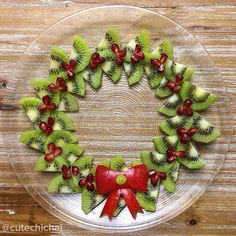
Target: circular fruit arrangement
{"type": "Point", "coordinates": [112, 181]}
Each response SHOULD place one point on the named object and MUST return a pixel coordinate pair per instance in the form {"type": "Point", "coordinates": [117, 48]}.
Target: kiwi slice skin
{"type": "Point", "coordinates": [163, 143]}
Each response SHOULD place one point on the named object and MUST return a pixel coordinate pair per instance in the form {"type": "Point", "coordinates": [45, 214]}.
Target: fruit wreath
{"type": "Point", "coordinates": [112, 181]}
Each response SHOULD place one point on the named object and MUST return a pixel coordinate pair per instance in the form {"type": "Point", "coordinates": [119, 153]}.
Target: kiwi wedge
{"type": "Point", "coordinates": [192, 160]}
{"type": "Point", "coordinates": [93, 77]}
{"type": "Point", "coordinates": [201, 99]}
{"type": "Point", "coordinates": [206, 133]}
{"type": "Point", "coordinates": [80, 53]}
{"type": "Point", "coordinates": [163, 143]}
{"type": "Point", "coordinates": [31, 106]}
{"type": "Point", "coordinates": [155, 161]}
{"type": "Point", "coordinates": [170, 106]}
{"type": "Point", "coordinates": [134, 72]}
{"type": "Point", "coordinates": [171, 125]}
{"type": "Point", "coordinates": [35, 139]}
{"type": "Point", "coordinates": [118, 164]}
{"type": "Point", "coordinates": [71, 152]}
{"type": "Point", "coordinates": [68, 102]}
{"type": "Point", "coordinates": [77, 86]}
{"type": "Point", "coordinates": [162, 91]}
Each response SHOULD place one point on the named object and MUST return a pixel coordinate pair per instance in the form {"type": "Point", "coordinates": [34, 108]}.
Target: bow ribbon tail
{"type": "Point", "coordinates": [111, 204]}
{"type": "Point", "coordinates": [131, 202]}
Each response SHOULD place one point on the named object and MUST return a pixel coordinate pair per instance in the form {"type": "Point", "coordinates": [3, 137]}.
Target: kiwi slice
{"type": "Point", "coordinates": [41, 87]}
{"type": "Point", "coordinates": [93, 77]}
{"type": "Point", "coordinates": [170, 106]}
{"type": "Point", "coordinates": [155, 161]}
{"type": "Point", "coordinates": [31, 106]}
{"type": "Point", "coordinates": [61, 137]}
{"type": "Point", "coordinates": [59, 185]}
{"type": "Point", "coordinates": [143, 39]}
{"type": "Point", "coordinates": [171, 178]}
{"type": "Point", "coordinates": [110, 67]}
{"type": "Point", "coordinates": [171, 125]}
{"type": "Point", "coordinates": [50, 166]}
{"type": "Point", "coordinates": [192, 159]}
{"type": "Point", "coordinates": [162, 91]}
{"type": "Point", "coordinates": [163, 143]}
{"type": "Point", "coordinates": [112, 36]}
{"type": "Point", "coordinates": [134, 72]}
{"type": "Point", "coordinates": [68, 102]}
{"type": "Point", "coordinates": [58, 56]}
{"type": "Point", "coordinates": [135, 162]}
{"type": "Point", "coordinates": [77, 86]}
{"type": "Point", "coordinates": [148, 199]}
{"type": "Point", "coordinates": [80, 53]}
{"type": "Point", "coordinates": [106, 163]}
{"type": "Point", "coordinates": [206, 133]}
{"type": "Point", "coordinates": [118, 164]}
{"type": "Point", "coordinates": [71, 152]}
{"type": "Point", "coordinates": [201, 99]}
{"type": "Point", "coordinates": [35, 139]}
{"type": "Point", "coordinates": [173, 68]}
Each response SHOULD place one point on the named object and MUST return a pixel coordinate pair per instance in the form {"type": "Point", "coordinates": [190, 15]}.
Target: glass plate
{"type": "Point", "coordinates": [116, 119]}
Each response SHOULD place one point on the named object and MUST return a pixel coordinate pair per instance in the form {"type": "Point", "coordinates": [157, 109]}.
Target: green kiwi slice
{"type": "Point", "coordinates": [206, 133]}
{"type": "Point", "coordinates": [118, 164]}
{"type": "Point", "coordinates": [162, 91]}
{"type": "Point", "coordinates": [68, 102]}
{"type": "Point", "coordinates": [61, 137]}
{"type": "Point", "coordinates": [50, 166]}
{"type": "Point", "coordinates": [171, 178]}
{"type": "Point", "coordinates": [193, 159]}
{"type": "Point", "coordinates": [163, 143]}
{"type": "Point", "coordinates": [112, 36]}
{"type": "Point", "coordinates": [170, 106]}
{"type": "Point", "coordinates": [134, 72]}
{"type": "Point", "coordinates": [35, 139]}
{"type": "Point", "coordinates": [201, 99]}
{"type": "Point", "coordinates": [31, 106]}
{"type": "Point", "coordinates": [155, 161]}
{"type": "Point", "coordinates": [77, 86]}
{"type": "Point", "coordinates": [171, 125]}
{"type": "Point", "coordinates": [58, 56]}
{"type": "Point", "coordinates": [71, 152]}
{"type": "Point", "coordinates": [80, 53]}
{"type": "Point", "coordinates": [93, 77]}
{"type": "Point", "coordinates": [41, 87]}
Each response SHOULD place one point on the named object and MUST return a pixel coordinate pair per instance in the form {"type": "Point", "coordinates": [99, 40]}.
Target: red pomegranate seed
{"type": "Point", "coordinates": [138, 48]}
{"type": "Point", "coordinates": [161, 68]}
{"type": "Point", "coordinates": [162, 175]}
{"type": "Point", "coordinates": [151, 173]}
{"type": "Point", "coordinates": [51, 106]}
{"type": "Point", "coordinates": [163, 58]}
{"type": "Point", "coordinates": [90, 186]}
{"type": "Point", "coordinates": [73, 64]}
{"type": "Point", "coordinates": [154, 179]}
{"type": "Point", "coordinates": [64, 169]}
{"type": "Point", "coordinates": [178, 79]}
{"type": "Point", "coordinates": [170, 151]}
{"type": "Point", "coordinates": [121, 53]}
{"type": "Point", "coordinates": [92, 65]}
{"type": "Point", "coordinates": [82, 183]}
{"type": "Point", "coordinates": [64, 66]}
{"type": "Point", "coordinates": [176, 89]}
{"type": "Point", "coordinates": [134, 59]}
{"type": "Point", "coordinates": [49, 157]}
{"type": "Point", "coordinates": [189, 112]}
{"type": "Point", "coordinates": [184, 138]}
{"type": "Point", "coordinates": [52, 86]}
{"type": "Point", "coordinates": [51, 147]}
{"type": "Point", "coordinates": [181, 111]}
{"type": "Point", "coordinates": [58, 151]}
{"type": "Point", "coordinates": [119, 61]}
{"type": "Point", "coordinates": [139, 55]}
{"type": "Point", "coordinates": [51, 121]}
{"type": "Point", "coordinates": [170, 84]}
{"type": "Point", "coordinates": [43, 125]}
{"type": "Point", "coordinates": [95, 55]}
{"type": "Point", "coordinates": [48, 131]}
{"type": "Point", "coordinates": [181, 131]}
{"type": "Point", "coordinates": [99, 60]}
{"type": "Point", "coordinates": [90, 178]}
{"type": "Point", "coordinates": [46, 99]}
{"type": "Point", "coordinates": [75, 170]}
{"type": "Point", "coordinates": [63, 88]}
{"type": "Point", "coordinates": [181, 154]}
{"type": "Point", "coordinates": [43, 108]}
{"type": "Point", "coordinates": [171, 159]}
{"type": "Point", "coordinates": [115, 48]}
{"type": "Point", "coordinates": [187, 102]}
{"type": "Point", "coordinates": [60, 81]}
{"type": "Point", "coordinates": [155, 62]}
{"type": "Point", "coordinates": [191, 131]}
{"type": "Point", "coordinates": [70, 74]}
{"type": "Point", "coordinates": [65, 176]}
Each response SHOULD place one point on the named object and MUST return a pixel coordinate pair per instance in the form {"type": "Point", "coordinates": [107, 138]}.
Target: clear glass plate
{"type": "Point", "coordinates": [116, 119]}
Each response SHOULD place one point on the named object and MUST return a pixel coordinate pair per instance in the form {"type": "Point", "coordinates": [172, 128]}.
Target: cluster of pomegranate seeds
{"type": "Point", "coordinates": [138, 54]}
{"type": "Point", "coordinates": [95, 60]}
{"type": "Point", "coordinates": [88, 182]}
{"type": "Point", "coordinates": [67, 171]}
{"type": "Point", "coordinates": [47, 104]}
{"type": "Point", "coordinates": [120, 53]}
{"type": "Point", "coordinates": [46, 127]}
{"type": "Point", "coordinates": [172, 155]}
{"type": "Point", "coordinates": [184, 134]}
{"type": "Point", "coordinates": [175, 86]}
{"type": "Point", "coordinates": [53, 152]}
{"type": "Point", "coordinates": [60, 85]}
{"type": "Point", "coordinates": [155, 176]}
{"type": "Point", "coordinates": [159, 63]}
{"type": "Point", "coordinates": [69, 68]}
{"type": "Point", "coordinates": [186, 110]}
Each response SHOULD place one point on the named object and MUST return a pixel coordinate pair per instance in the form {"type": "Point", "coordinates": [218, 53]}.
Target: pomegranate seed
{"type": "Point", "coordinates": [46, 99]}
{"type": "Point", "coordinates": [65, 176]}
{"type": "Point", "coordinates": [51, 121]}
{"type": "Point", "coordinates": [73, 64]}
{"type": "Point", "coordinates": [152, 173]}
{"type": "Point", "coordinates": [90, 186]}
{"type": "Point", "coordinates": [49, 157]}
{"type": "Point", "coordinates": [138, 48]}
{"type": "Point", "coordinates": [48, 131]}
{"type": "Point", "coordinates": [70, 74]}
{"type": "Point", "coordinates": [170, 84]}
{"type": "Point", "coordinates": [58, 151]}
{"type": "Point", "coordinates": [64, 66]}
{"type": "Point", "coordinates": [187, 102]}
{"type": "Point", "coordinates": [63, 88]}
{"type": "Point", "coordinates": [180, 111]}
{"type": "Point", "coordinates": [139, 55]}
{"type": "Point", "coordinates": [191, 131]}
{"type": "Point", "coordinates": [181, 131]}
{"type": "Point", "coordinates": [170, 152]}
{"type": "Point", "coordinates": [161, 68]}
{"type": "Point", "coordinates": [155, 62]}
{"type": "Point", "coordinates": [115, 48]}
{"type": "Point", "coordinates": [134, 59]}
{"type": "Point", "coordinates": [178, 79]}
{"type": "Point", "coordinates": [163, 58]}
{"type": "Point", "coordinates": [82, 183]}
{"type": "Point", "coordinates": [64, 169]}
{"type": "Point", "coordinates": [100, 60]}
{"type": "Point", "coordinates": [51, 106]}
{"type": "Point", "coordinates": [184, 138]}
{"type": "Point", "coordinates": [92, 65]}
{"type": "Point", "coordinates": [171, 159]}
{"type": "Point", "coordinates": [121, 53]}
{"type": "Point", "coordinates": [52, 87]}
{"type": "Point", "coordinates": [162, 175]}
{"type": "Point", "coordinates": [60, 81]}
{"type": "Point", "coordinates": [154, 179]}
{"type": "Point", "coordinates": [189, 112]}
{"type": "Point", "coordinates": [51, 147]}
{"type": "Point", "coordinates": [95, 55]}
{"type": "Point", "coordinates": [75, 170]}
{"type": "Point", "coordinates": [89, 178]}
{"type": "Point", "coordinates": [181, 154]}
{"type": "Point", "coordinates": [119, 61]}
{"type": "Point", "coordinates": [43, 108]}
{"type": "Point", "coordinates": [176, 89]}
{"type": "Point", "coordinates": [43, 125]}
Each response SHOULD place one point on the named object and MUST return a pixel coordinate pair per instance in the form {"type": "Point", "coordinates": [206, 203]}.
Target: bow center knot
{"type": "Point", "coordinates": [121, 179]}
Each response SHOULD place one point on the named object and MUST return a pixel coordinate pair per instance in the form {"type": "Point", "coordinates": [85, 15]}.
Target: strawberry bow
{"type": "Point", "coordinates": [124, 184]}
